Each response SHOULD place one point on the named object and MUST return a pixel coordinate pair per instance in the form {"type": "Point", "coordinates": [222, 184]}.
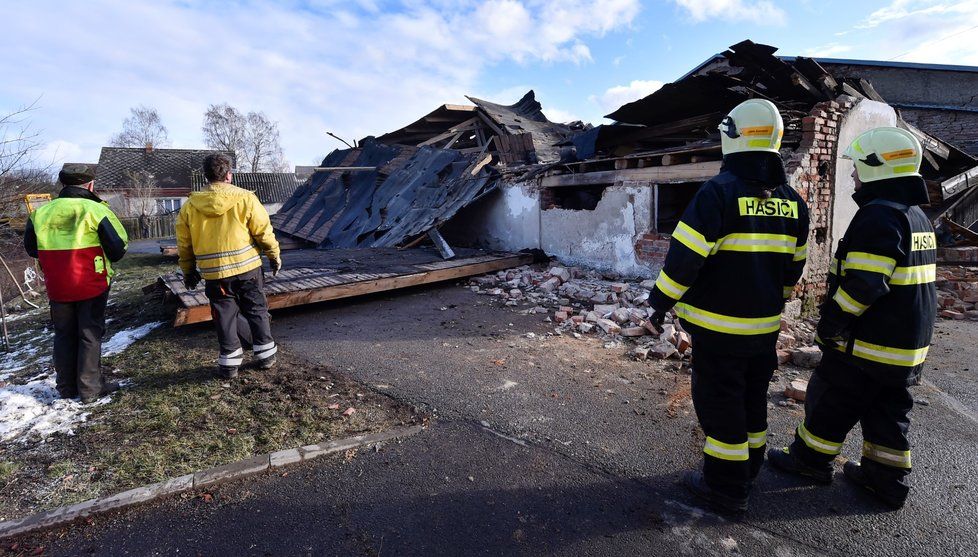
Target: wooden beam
{"type": "Point", "coordinates": [695, 172]}
{"type": "Point", "coordinates": [342, 168]}
{"type": "Point", "coordinates": [199, 314]}
{"type": "Point", "coordinates": [441, 244]}
{"type": "Point", "coordinates": [959, 183]}
{"type": "Point", "coordinates": [929, 142]}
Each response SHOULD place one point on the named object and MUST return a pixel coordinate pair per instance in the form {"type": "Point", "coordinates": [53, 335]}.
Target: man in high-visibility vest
{"type": "Point", "coordinates": [219, 234]}
{"type": "Point", "coordinates": [76, 238]}
{"type": "Point", "coordinates": [733, 260]}
{"type": "Point", "coordinates": [876, 324]}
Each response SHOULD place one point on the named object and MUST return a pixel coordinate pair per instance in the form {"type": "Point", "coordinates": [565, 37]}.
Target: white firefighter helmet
{"type": "Point", "coordinates": [753, 125]}
{"type": "Point", "coordinates": [887, 152]}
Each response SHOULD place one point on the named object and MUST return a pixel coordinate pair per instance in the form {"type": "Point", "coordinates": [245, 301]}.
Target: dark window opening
{"type": "Point", "coordinates": [671, 201]}
{"type": "Point", "coordinates": [575, 198]}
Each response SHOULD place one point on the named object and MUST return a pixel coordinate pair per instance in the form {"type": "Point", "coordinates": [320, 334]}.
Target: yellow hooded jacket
{"type": "Point", "coordinates": [221, 230]}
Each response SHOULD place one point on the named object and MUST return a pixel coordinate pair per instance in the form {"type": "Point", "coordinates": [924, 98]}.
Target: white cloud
{"type": "Point", "coordinates": [347, 67]}
{"type": "Point", "coordinates": [827, 50]}
{"type": "Point", "coordinates": [926, 31]}
{"type": "Point", "coordinates": [619, 95]}
{"type": "Point", "coordinates": [555, 114]}
{"type": "Point", "coordinates": [762, 12]}
{"type": "Point", "coordinates": [60, 151]}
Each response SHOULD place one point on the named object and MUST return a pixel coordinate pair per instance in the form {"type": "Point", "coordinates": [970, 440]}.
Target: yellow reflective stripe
{"type": "Point", "coordinates": [753, 242]}
{"type": "Point", "coordinates": [848, 303]}
{"type": "Point", "coordinates": [905, 169]}
{"type": "Point", "coordinates": [786, 291]}
{"type": "Point", "coordinates": [758, 142]}
{"type": "Point", "coordinates": [834, 266]}
{"type": "Point", "coordinates": [801, 252]}
{"type": "Point", "coordinates": [670, 287]}
{"type": "Point", "coordinates": [886, 455]}
{"type": "Point", "coordinates": [229, 266]}
{"type": "Point", "coordinates": [923, 241]}
{"type": "Point", "coordinates": [888, 355]}
{"type": "Point", "coordinates": [727, 324]}
{"type": "Point", "coordinates": [919, 274]}
{"type": "Point", "coordinates": [816, 443]}
{"type": "Point", "coordinates": [726, 451]}
{"type": "Point", "coordinates": [689, 237]}
{"type": "Point", "coordinates": [757, 440]}
{"type": "Point", "coordinates": [230, 253]}
{"type": "Point", "coordinates": [863, 261]}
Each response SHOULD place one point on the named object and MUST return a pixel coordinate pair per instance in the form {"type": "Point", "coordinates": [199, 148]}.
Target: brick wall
{"type": "Point", "coordinates": [651, 248]}
{"type": "Point", "coordinates": [811, 171]}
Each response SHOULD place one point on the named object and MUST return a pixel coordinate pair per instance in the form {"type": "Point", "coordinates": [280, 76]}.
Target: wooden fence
{"type": "Point", "coordinates": [150, 227]}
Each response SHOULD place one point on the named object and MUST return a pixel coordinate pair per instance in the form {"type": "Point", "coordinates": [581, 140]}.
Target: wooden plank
{"type": "Point", "coordinates": [441, 244]}
{"type": "Point", "coordinates": [929, 142]}
{"type": "Point", "coordinates": [959, 183]}
{"type": "Point", "coordinates": [693, 172]}
{"type": "Point", "coordinates": [342, 168]}
{"type": "Point", "coordinates": [199, 314]}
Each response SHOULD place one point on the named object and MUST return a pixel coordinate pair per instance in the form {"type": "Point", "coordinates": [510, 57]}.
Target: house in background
{"type": "Point", "coordinates": [272, 188]}
{"type": "Point", "coordinates": [148, 181]}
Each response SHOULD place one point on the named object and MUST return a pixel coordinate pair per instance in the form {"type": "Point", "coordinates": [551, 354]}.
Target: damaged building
{"type": "Point", "coordinates": [485, 183]}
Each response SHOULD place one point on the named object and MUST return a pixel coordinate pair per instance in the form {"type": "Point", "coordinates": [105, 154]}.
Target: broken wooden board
{"type": "Point", "coordinates": [311, 276]}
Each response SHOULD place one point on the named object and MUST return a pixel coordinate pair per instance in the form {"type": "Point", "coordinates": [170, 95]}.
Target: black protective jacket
{"type": "Point", "coordinates": [735, 256]}
{"type": "Point", "coordinates": [882, 298]}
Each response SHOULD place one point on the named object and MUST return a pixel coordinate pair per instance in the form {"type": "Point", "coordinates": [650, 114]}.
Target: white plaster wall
{"type": "Point", "coordinates": [864, 116]}
{"type": "Point", "coordinates": [605, 237]}
{"type": "Point", "coordinates": [507, 219]}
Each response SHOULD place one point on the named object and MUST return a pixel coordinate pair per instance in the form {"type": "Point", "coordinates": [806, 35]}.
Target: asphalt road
{"type": "Point", "coordinates": [547, 445]}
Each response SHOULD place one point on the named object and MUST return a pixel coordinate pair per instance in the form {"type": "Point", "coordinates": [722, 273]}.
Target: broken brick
{"type": "Point", "coordinates": [634, 332]}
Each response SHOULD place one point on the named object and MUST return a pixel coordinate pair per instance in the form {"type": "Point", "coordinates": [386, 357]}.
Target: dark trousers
{"type": "Point", "coordinates": [240, 312]}
{"type": "Point", "coordinates": [840, 394]}
{"type": "Point", "coordinates": [730, 398]}
{"type": "Point", "coordinates": [78, 330]}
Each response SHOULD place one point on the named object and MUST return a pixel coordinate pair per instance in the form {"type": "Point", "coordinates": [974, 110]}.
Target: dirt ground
{"type": "Point", "coordinates": [174, 415]}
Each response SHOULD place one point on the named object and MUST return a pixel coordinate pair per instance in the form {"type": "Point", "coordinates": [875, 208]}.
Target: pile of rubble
{"type": "Point", "coordinates": [581, 302]}
{"type": "Point", "coordinates": [957, 294]}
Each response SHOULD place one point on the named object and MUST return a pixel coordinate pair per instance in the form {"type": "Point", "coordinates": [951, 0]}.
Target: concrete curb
{"type": "Point", "coordinates": [211, 476]}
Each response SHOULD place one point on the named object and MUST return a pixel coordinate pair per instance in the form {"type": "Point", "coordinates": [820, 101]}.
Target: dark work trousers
{"type": "Point", "coordinates": [730, 398]}
{"type": "Point", "coordinates": [78, 330]}
{"type": "Point", "coordinates": [840, 394]}
{"type": "Point", "coordinates": [240, 312]}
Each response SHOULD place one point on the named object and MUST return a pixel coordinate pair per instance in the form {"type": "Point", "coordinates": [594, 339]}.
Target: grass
{"type": "Point", "coordinates": [177, 417]}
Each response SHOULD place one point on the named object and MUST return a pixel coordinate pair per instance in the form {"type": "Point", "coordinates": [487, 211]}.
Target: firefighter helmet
{"type": "Point", "coordinates": [887, 152]}
{"type": "Point", "coordinates": [753, 125]}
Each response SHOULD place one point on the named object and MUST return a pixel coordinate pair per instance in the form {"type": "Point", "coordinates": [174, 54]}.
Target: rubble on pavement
{"type": "Point", "coordinates": [588, 302]}
{"type": "Point", "coordinates": [957, 292]}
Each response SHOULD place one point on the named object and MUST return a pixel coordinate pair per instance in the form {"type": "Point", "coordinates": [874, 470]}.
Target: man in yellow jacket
{"type": "Point", "coordinates": [221, 234]}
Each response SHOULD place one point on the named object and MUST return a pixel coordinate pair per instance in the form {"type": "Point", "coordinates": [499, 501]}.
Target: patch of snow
{"type": "Point", "coordinates": [36, 409]}
{"type": "Point", "coordinates": [123, 339]}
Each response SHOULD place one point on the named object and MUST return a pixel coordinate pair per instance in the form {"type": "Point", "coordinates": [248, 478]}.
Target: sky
{"type": "Point", "coordinates": [366, 67]}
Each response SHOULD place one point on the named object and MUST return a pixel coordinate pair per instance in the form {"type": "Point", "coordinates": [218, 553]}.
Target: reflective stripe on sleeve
{"type": "Point", "coordinates": [908, 276]}
{"type": "Point", "coordinates": [862, 261]}
{"type": "Point", "coordinates": [848, 303]}
{"type": "Point", "coordinates": [231, 253]}
{"type": "Point", "coordinates": [726, 451]}
{"type": "Point", "coordinates": [728, 324]}
{"type": "Point", "coordinates": [689, 237]}
{"type": "Point", "coordinates": [670, 287]}
{"type": "Point", "coordinates": [757, 243]}
{"type": "Point", "coordinates": [801, 252]}
{"type": "Point", "coordinates": [886, 455]}
{"type": "Point", "coordinates": [816, 443]}
{"type": "Point", "coordinates": [229, 266]}
{"type": "Point", "coordinates": [757, 440]}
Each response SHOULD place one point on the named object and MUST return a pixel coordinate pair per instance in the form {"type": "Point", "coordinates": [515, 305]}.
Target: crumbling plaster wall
{"type": "Point", "coordinates": [507, 219]}
{"type": "Point", "coordinates": [603, 238]}
{"type": "Point", "coordinates": [864, 116]}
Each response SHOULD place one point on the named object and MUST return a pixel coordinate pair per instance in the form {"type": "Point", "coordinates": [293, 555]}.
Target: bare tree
{"type": "Point", "coordinates": [253, 139]}
{"type": "Point", "coordinates": [20, 171]}
{"type": "Point", "coordinates": [143, 127]}
{"type": "Point", "coordinates": [141, 194]}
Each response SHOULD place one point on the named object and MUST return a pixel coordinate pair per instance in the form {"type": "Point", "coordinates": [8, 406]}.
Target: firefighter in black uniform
{"type": "Point", "coordinates": [733, 260]}
{"type": "Point", "coordinates": [876, 324]}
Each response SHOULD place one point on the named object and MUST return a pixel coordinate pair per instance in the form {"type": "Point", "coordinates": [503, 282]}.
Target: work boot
{"type": "Point", "coordinates": [227, 372]}
{"type": "Point", "coordinates": [783, 460]}
{"type": "Point", "coordinates": [696, 484]}
{"type": "Point", "coordinates": [108, 387]}
{"type": "Point", "coordinates": [267, 363]}
{"type": "Point", "coordinates": [857, 475]}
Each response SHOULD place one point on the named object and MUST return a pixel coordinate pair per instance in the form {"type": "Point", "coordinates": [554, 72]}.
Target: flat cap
{"type": "Point", "coordinates": [76, 174]}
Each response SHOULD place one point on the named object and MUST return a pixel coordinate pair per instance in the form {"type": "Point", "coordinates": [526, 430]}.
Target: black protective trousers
{"type": "Point", "coordinates": [840, 394]}
{"type": "Point", "coordinates": [730, 398]}
{"type": "Point", "coordinates": [78, 330]}
{"type": "Point", "coordinates": [240, 312]}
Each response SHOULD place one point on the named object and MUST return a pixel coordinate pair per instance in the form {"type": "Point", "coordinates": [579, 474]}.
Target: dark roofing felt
{"type": "Point", "coordinates": [526, 115]}
{"type": "Point", "coordinates": [171, 168]}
